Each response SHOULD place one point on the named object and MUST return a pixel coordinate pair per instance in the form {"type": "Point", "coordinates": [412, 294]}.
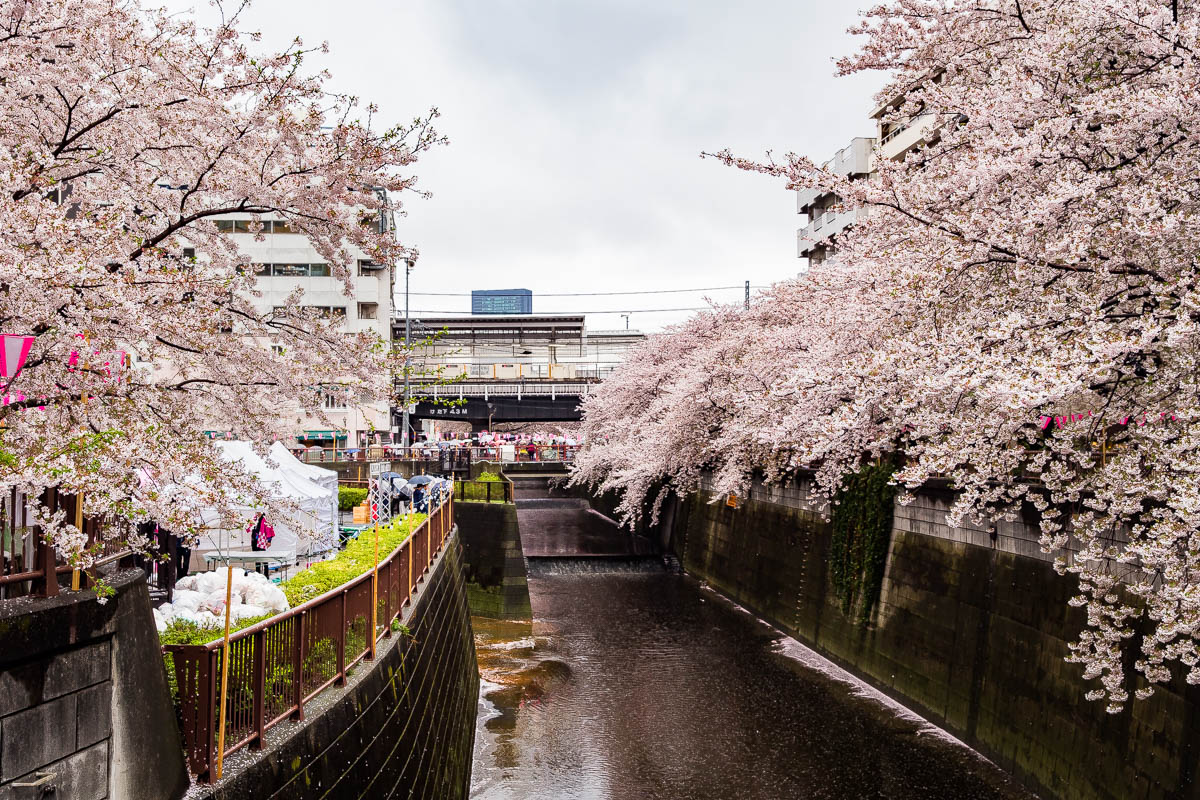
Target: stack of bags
{"type": "Point", "coordinates": [200, 599]}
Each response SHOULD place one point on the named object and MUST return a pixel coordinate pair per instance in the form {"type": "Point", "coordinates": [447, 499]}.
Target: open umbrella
{"type": "Point", "coordinates": [421, 480]}
{"type": "Point", "coordinates": [399, 485]}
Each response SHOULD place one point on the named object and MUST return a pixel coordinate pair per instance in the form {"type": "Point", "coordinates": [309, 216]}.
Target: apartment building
{"type": "Point", "coordinates": [825, 214]}
{"type": "Point", "coordinates": [284, 261]}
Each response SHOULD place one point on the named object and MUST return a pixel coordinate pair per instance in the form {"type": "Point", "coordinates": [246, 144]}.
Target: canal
{"type": "Point", "coordinates": [648, 685]}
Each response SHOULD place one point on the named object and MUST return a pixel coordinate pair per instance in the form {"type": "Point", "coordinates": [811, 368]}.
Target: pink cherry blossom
{"type": "Point", "coordinates": [123, 133]}
{"type": "Point", "coordinates": [1036, 257]}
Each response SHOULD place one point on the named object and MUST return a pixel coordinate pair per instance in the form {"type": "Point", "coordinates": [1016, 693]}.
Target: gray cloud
{"type": "Point", "coordinates": [575, 133]}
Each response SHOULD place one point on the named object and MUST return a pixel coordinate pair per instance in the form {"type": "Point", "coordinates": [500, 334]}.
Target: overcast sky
{"type": "Point", "coordinates": [575, 131]}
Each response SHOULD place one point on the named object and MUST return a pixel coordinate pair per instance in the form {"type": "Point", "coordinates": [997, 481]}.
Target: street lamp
{"type": "Point", "coordinates": [14, 349]}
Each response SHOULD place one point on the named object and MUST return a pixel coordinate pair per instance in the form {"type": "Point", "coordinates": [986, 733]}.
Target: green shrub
{"type": "Point", "coordinates": [190, 633]}
{"type": "Point", "coordinates": [481, 489]}
{"type": "Point", "coordinates": [357, 559]}
{"type": "Point", "coordinates": [349, 497]}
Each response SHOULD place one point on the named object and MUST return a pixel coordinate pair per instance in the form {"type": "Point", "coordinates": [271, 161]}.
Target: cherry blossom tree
{"type": "Point", "coordinates": [123, 134]}
{"type": "Point", "coordinates": [1031, 332]}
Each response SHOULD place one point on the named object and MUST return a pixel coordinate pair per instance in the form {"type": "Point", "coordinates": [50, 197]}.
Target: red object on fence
{"type": "Point", "coordinates": [283, 662]}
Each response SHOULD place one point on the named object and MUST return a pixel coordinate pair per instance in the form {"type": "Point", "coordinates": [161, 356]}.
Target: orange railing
{"type": "Point", "coordinates": [281, 663]}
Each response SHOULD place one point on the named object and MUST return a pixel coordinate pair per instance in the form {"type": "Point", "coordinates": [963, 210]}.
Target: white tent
{"type": "Point", "coordinates": [313, 529]}
{"type": "Point", "coordinates": [327, 479]}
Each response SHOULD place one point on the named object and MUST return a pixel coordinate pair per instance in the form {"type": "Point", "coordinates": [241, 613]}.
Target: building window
{"type": "Point", "coordinates": [243, 226]}
{"type": "Point", "coordinates": [290, 270]}
{"type": "Point", "coordinates": [325, 312]}
{"type": "Point", "coordinates": [368, 310]}
{"type": "Point", "coordinates": [368, 267]}
{"type": "Point", "coordinates": [334, 398]}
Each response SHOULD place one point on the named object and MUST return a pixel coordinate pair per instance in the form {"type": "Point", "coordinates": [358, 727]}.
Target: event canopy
{"type": "Point", "coordinates": [312, 529]}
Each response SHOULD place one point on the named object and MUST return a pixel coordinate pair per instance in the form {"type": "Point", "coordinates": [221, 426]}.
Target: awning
{"type": "Point", "coordinates": [321, 436]}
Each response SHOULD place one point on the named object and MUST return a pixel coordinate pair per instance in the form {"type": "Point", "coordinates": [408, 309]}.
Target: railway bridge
{"type": "Point", "coordinates": [484, 403]}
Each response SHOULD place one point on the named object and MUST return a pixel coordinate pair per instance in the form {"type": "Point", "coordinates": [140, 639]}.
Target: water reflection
{"type": "Point", "coordinates": [647, 686]}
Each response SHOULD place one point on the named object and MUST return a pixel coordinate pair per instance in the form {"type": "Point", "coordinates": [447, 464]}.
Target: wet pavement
{"type": "Point", "coordinates": [650, 686]}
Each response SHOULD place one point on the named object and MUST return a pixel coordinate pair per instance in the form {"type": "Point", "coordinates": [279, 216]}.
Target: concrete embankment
{"type": "Point", "coordinates": [971, 629]}
{"type": "Point", "coordinates": [84, 706]}
{"type": "Point", "coordinates": [403, 726]}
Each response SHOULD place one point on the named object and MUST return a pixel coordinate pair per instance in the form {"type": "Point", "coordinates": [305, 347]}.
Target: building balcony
{"type": "Point", "coordinates": [853, 160]}
{"type": "Point", "coordinates": [823, 226]}
{"type": "Point", "coordinates": [904, 137]}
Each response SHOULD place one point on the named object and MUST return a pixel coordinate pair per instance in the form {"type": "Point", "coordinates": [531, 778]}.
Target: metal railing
{"type": "Point", "coordinates": [29, 565]}
{"type": "Point", "coordinates": [281, 663]}
{"type": "Point", "coordinates": [500, 491]}
{"type": "Point", "coordinates": [447, 459]}
{"type": "Point", "coordinates": [515, 388]}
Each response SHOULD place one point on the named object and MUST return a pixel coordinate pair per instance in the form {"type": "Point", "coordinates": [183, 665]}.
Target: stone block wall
{"type": "Point", "coordinates": [403, 726]}
{"type": "Point", "coordinates": [971, 631]}
{"type": "Point", "coordinates": [83, 699]}
{"type": "Point", "coordinates": [57, 719]}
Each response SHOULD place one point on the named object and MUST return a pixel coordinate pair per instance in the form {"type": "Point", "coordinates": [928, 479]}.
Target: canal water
{"type": "Point", "coordinates": [648, 685]}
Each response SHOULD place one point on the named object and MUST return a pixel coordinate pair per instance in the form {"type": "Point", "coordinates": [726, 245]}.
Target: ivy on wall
{"type": "Point", "coordinates": [862, 531]}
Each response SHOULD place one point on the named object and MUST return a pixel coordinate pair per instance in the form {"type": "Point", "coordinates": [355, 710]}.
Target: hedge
{"type": "Point", "coordinates": [349, 497]}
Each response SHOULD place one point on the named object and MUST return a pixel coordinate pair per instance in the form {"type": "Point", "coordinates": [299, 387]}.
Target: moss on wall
{"type": "Point", "coordinates": [862, 531]}
{"type": "Point", "coordinates": [972, 637]}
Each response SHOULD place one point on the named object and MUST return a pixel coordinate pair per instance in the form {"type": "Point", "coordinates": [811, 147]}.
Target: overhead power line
{"type": "Point", "coordinates": [593, 294]}
{"type": "Point", "coordinates": [564, 313]}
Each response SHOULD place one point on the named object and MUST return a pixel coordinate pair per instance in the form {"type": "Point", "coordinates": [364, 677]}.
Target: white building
{"type": "Point", "coordinates": [285, 261]}
{"type": "Point", "coordinates": [520, 346]}
{"type": "Point", "coordinates": [825, 215]}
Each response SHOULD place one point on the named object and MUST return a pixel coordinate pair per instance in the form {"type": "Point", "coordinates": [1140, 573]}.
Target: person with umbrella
{"type": "Point", "coordinates": [420, 484]}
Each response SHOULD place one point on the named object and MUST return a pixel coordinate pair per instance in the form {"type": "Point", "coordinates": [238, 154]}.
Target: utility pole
{"type": "Point", "coordinates": [408, 265]}
{"type": "Point", "coordinates": [626, 316]}
{"type": "Point", "coordinates": [747, 295]}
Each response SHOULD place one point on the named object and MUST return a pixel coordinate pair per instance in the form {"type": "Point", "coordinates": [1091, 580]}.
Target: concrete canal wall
{"type": "Point", "coordinates": [84, 705]}
{"type": "Point", "coordinates": [971, 630]}
{"type": "Point", "coordinates": [493, 564]}
{"type": "Point", "coordinates": [403, 727]}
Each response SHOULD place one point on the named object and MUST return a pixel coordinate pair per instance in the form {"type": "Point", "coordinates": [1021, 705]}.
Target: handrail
{"type": "Point", "coordinates": [469, 491]}
{"type": "Point", "coordinates": [278, 665]}
{"type": "Point", "coordinates": [432, 454]}
{"type": "Point", "coordinates": [29, 565]}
